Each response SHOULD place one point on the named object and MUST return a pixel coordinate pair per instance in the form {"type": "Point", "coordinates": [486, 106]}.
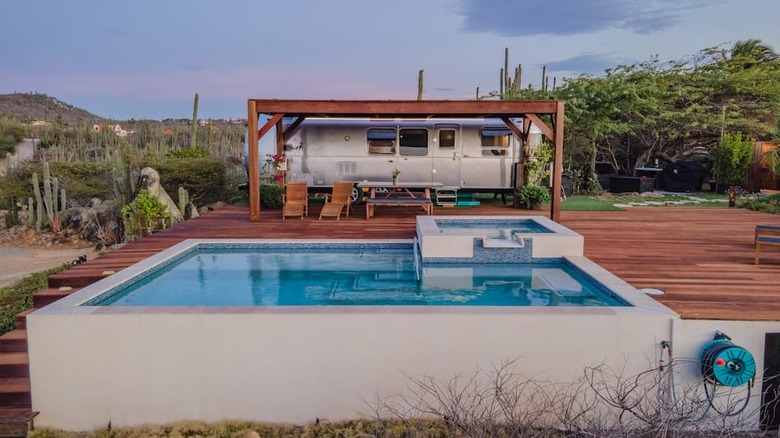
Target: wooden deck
{"type": "Point", "coordinates": [701, 257]}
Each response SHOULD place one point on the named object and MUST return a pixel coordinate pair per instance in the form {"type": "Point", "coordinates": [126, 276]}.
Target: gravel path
{"type": "Point", "coordinates": [17, 263]}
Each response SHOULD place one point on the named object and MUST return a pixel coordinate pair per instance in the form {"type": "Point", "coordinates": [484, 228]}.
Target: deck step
{"type": "Point", "coordinates": [21, 319]}
{"type": "Point", "coordinates": [14, 365]}
{"type": "Point", "coordinates": [16, 422]}
{"type": "Point", "coordinates": [14, 341]}
{"type": "Point", "coordinates": [44, 297]}
{"type": "Point", "coordinates": [77, 280]}
{"type": "Point", "coordinates": [15, 392]}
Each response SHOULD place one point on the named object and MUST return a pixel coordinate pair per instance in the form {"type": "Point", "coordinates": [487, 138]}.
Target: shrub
{"type": "Point", "coordinates": [11, 134]}
{"type": "Point", "coordinates": [205, 179]}
{"type": "Point", "coordinates": [81, 180]}
{"type": "Point", "coordinates": [187, 153]}
{"type": "Point", "coordinates": [271, 196]}
{"type": "Point", "coordinates": [145, 215]}
{"type": "Point", "coordinates": [733, 157]}
{"type": "Point", "coordinates": [17, 297]}
{"type": "Point", "coordinates": [531, 195]}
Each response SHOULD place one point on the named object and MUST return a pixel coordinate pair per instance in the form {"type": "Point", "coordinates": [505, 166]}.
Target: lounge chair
{"type": "Point", "coordinates": [296, 199]}
{"type": "Point", "coordinates": [339, 199]}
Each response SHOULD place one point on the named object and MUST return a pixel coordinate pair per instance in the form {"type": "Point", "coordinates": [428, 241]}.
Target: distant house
{"type": "Point", "coordinates": [116, 129]}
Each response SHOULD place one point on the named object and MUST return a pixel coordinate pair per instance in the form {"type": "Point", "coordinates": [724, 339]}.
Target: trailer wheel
{"type": "Point", "coordinates": [357, 196]}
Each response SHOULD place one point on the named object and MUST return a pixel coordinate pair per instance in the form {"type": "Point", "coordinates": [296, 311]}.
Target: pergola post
{"type": "Point", "coordinates": [253, 163]}
{"type": "Point", "coordinates": [555, 206]}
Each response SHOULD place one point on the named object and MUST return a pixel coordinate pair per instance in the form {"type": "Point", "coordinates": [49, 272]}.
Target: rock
{"type": "Point", "coordinates": [190, 211]}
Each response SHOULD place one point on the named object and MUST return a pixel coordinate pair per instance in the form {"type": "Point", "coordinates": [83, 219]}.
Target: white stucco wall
{"type": "Point", "coordinates": [295, 366]}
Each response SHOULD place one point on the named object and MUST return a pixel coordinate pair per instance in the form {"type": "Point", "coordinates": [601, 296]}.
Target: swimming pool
{"type": "Point", "coordinates": [161, 363]}
{"type": "Point", "coordinates": [349, 275]}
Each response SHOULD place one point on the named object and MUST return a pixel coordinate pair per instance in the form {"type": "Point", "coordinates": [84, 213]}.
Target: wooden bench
{"type": "Point", "coordinates": [425, 203]}
{"type": "Point", "coordinates": [765, 240]}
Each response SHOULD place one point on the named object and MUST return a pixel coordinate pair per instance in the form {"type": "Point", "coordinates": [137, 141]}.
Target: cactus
{"type": "Point", "coordinates": [30, 211]}
{"type": "Point", "coordinates": [194, 134]}
{"type": "Point", "coordinates": [420, 84]}
{"type": "Point", "coordinates": [7, 163]}
{"type": "Point", "coordinates": [38, 202]}
{"type": "Point", "coordinates": [50, 188]}
{"type": "Point", "coordinates": [184, 199]}
{"type": "Point", "coordinates": [63, 199]}
{"type": "Point", "coordinates": [120, 175]}
{"type": "Point", "coordinates": [208, 137]}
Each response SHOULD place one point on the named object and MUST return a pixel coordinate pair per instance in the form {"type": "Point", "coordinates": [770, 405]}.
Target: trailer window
{"type": "Point", "coordinates": [381, 141]}
{"type": "Point", "coordinates": [495, 141]}
{"type": "Point", "coordinates": [446, 138]}
{"type": "Point", "coordinates": [413, 142]}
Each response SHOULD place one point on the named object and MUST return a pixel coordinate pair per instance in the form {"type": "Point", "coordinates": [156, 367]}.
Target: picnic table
{"type": "Point", "coordinates": [399, 194]}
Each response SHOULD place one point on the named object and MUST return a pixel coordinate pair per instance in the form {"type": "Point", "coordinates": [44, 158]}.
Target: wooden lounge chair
{"type": "Point", "coordinates": [296, 199]}
{"type": "Point", "coordinates": [339, 199]}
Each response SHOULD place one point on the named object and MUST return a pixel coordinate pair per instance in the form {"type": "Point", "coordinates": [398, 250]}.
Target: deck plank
{"type": "Point", "coordinates": [701, 257]}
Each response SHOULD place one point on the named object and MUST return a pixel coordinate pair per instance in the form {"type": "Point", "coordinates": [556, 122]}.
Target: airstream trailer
{"type": "Point", "coordinates": [472, 155]}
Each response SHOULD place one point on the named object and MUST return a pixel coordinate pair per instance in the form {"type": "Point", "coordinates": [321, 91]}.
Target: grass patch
{"type": "Point", "coordinates": [237, 429]}
{"type": "Point", "coordinates": [587, 203]}
{"type": "Point", "coordinates": [17, 298]}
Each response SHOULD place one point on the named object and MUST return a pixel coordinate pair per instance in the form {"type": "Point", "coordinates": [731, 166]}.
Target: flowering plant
{"type": "Point", "coordinates": [274, 164]}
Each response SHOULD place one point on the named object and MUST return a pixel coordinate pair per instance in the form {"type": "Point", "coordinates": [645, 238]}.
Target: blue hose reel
{"type": "Point", "coordinates": [725, 363]}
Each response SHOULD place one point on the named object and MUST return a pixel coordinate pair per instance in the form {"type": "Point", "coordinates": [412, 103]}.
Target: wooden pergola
{"type": "Point", "coordinates": [530, 111]}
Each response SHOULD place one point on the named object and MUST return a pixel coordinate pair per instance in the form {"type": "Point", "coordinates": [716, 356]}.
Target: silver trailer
{"type": "Point", "coordinates": [472, 155]}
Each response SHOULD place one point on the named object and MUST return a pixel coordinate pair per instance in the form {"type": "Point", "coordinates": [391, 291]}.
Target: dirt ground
{"type": "Point", "coordinates": [23, 252]}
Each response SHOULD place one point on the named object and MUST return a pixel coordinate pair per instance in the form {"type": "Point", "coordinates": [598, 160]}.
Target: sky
{"type": "Point", "coordinates": [146, 59]}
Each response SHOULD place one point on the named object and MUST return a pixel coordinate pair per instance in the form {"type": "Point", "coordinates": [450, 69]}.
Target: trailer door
{"type": "Point", "coordinates": [446, 155]}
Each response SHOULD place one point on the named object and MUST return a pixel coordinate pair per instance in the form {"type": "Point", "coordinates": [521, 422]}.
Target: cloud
{"type": "Point", "coordinates": [586, 63]}
{"type": "Point", "coordinates": [572, 17]}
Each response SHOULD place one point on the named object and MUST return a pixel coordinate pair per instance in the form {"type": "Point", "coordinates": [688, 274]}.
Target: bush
{"type": "Point", "coordinates": [11, 134]}
{"type": "Point", "coordinates": [17, 297]}
{"type": "Point", "coordinates": [81, 180]}
{"type": "Point", "coordinates": [733, 157]}
{"type": "Point", "coordinates": [531, 195]}
{"type": "Point", "coordinates": [204, 178]}
{"type": "Point", "coordinates": [145, 215]}
{"type": "Point", "coordinates": [271, 196]}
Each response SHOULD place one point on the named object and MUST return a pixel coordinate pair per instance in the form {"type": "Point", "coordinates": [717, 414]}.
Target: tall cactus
{"type": "Point", "coordinates": [194, 134]}
{"type": "Point", "coordinates": [420, 84]}
{"type": "Point", "coordinates": [51, 187]}
{"type": "Point", "coordinates": [7, 163]}
{"type": "Point", "coordinates": [63, 201]}
{"type": "Point", "coordinates": [123, 184]}
{"type": "Point", "coordinates": [184, 199]}
{"type": "Point", "coordinates": [38, 203]}
{"type": "Point", "coordinates": [30, 211]}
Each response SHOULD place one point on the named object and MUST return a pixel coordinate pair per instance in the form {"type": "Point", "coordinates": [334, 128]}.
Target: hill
{"type": "Point", "coordinates": [35, 106]}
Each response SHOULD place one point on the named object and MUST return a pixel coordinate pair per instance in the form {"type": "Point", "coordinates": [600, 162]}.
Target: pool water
{"type": "Point", "coordinates": [506, 229]}
{"type": "Point", "coordinates": [281, 276]}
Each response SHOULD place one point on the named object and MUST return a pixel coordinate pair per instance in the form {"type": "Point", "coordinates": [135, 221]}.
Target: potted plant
{"type": "Point", "coordinates": [532, 196]}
